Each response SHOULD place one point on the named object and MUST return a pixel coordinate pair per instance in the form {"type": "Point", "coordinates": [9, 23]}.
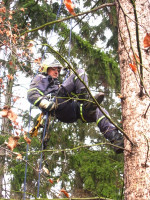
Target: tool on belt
{"type": "Point", "coordinates": [34, 130]}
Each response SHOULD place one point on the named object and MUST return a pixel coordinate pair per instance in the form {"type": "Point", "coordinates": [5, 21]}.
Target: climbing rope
{"type": "Point", "coordinates": [67, 70]}
{"type": "Point", "coordinates": [40, 163]}
{"type": "Point", "coordinates": [58, 12]}
{"type": "Point", "coordinates": [34, 131]}
{"type": "Point", "coordinates": [45, 127]}
{"type": "Point", "coordinates": [27, 148]}
{"type": "Point", "coordinates": [70, 38]}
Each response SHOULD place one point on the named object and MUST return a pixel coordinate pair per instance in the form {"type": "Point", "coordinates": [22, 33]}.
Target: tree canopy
{"type": "Point", "coordinates": [76, 158]}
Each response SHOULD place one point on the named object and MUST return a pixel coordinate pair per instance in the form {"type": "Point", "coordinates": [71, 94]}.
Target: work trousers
{"type": "Point", "coordinates": [70, 110]}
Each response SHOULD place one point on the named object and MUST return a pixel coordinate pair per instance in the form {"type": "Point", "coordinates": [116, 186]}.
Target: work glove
{"type": "Point", "coordinates": [47, 105]}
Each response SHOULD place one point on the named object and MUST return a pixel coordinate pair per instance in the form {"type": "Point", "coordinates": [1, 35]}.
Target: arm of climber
{"type": "Point", "coordinates": [36, 92]}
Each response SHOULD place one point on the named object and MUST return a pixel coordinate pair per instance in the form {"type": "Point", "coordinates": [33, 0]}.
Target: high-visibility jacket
{"type": "Point", "coordinates": [42, 85]}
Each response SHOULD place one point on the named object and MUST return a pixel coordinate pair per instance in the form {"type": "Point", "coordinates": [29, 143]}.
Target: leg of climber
{"type": "Point", "coordinates": [110, 131]}
{"type": "Point", "coordinates": [67, 107]}
{"type": "Point", "coordinates": [73, 86]}
{"type": "Point", "coordinates": [87, 110]}
{"type": "Point", "coordinates": [82, 92]}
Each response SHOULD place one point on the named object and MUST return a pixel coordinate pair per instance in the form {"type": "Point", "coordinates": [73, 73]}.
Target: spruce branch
{"type": "Point", "coordinates": [67, 18]}
{"type": "Point", "coordinates": [86, 198]}
{"type": "Point", "coordinates": [79, 22]}
{"type": "Point", "coordinates": [35, 169]}
{"type": "Point", "coordinates": [54, 192]}
{"type": "Point", "coordinates": [54, 151]}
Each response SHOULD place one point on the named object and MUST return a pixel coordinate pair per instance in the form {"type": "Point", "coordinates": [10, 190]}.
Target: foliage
{"type": "Point", "coordinates": [100, 171]}
{"type": "Point", "coordinates": [100, 66]}
{"type": "Point", "coordinates": [97, 172]}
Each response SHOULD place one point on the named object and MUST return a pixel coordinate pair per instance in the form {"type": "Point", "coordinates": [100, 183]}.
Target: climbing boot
{"type": "Point", "coordinates": [84, 96]}
{"type": "Point", "coordinates": [117, 140]}
{"type": "Point", "coordinates": [92, 105]}
{"type": "Point", "coordinates": [88, 109]}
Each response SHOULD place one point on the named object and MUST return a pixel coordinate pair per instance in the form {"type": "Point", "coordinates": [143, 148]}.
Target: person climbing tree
{"type": "Point", "coordinates": [69, 101]}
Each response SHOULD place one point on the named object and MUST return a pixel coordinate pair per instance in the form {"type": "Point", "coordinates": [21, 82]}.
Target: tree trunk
{"type": "Point", "coordinates": [78, 191]}
{"type": "Point", "coordinates": [135, 93]}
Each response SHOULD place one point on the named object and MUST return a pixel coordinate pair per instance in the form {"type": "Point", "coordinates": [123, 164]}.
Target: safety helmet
{"type": "Point", "coordinates": [52, 65]}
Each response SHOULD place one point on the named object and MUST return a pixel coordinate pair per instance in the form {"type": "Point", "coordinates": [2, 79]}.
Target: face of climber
{"type": "Point", "coordinates": [53, 72]}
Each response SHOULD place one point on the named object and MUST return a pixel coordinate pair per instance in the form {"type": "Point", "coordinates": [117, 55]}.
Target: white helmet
{"type": "Point", "coordinates": [52, 65]}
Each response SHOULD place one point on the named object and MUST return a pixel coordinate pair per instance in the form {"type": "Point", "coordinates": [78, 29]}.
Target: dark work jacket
{"type": "Point", "coordinates": [42, 85]}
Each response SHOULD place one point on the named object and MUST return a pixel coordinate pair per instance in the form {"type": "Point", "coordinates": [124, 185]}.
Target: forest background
{"type": "Point", "coordinates": [77, 160]}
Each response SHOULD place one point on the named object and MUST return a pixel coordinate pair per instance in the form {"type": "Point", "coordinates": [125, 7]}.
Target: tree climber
{"type": "Point", "coordinates": [69, 101]}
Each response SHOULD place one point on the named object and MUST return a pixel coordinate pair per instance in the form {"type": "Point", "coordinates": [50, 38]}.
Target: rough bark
{"type": "Point", "coordinates": [135, 102]}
